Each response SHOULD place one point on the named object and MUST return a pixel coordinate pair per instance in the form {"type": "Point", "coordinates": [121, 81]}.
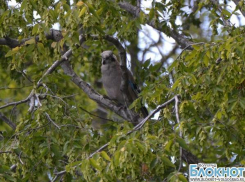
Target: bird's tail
{"type": "Point", "coordinates": [144, 111]}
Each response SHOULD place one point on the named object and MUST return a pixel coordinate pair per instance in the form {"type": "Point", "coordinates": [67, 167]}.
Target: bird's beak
{"type": "Point", "coordinates": [103, 61]}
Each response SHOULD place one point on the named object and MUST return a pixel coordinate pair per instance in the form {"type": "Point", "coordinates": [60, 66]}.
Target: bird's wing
{"type": "Point", "coordinates": [133, 86]}
{"type": "Point", "coordinates": [134, 91]}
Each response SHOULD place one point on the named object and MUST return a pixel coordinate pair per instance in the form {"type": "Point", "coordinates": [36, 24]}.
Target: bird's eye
{"type": "Point", "coordinates": [113, 59]}
{"type": "Point", "coordinates": [103, 62]}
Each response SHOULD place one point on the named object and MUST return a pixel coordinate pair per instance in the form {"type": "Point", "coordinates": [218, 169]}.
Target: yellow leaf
{"type": "Point", "coordinates": [123, 149]}
{"type": "Point", "coordinates": [13, 67]}
{"type": "Point", "coordinates": [82, 11]}
{"type": "Point", "coordinates": [16, 49]}
{"type": "Point", "coordinates": [31, 41]}
{"type": "Point", "coordinates": [80, 3]}
{"type": "Point", "coordinates": [242, 162]}
{"type": "Point", "coordinates": [63, 32]}
{"type": "Point", "coordinates": [13, 51]}
{"type": "Point", "coordinates": [54, 44]}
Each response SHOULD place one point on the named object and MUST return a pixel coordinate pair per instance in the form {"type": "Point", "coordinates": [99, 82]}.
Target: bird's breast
{"type": "Point", "coordinates": [111, 79]}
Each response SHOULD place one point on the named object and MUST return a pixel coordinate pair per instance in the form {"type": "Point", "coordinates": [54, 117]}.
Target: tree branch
{"type": "Point", "coordinates": [5, 152]}
{"type": "Point", "coordinates": [124, 113]}
{"type": "Point", "coordinates": [18, 102]}
{"type": "Point", "coordinates": [180, 39]}
{"type": "Point", "coordinates": [57, 175]}
{"type": "Point", "coordinates": [240, 8]}
{"type": "Point", "coordinates": [186, 156]}
{"type": "Point", "coordinates": [92, 94]}
{"type": "Point", "coordinates": [65, 57]}
{"type": "Point", "coordinates": [226, 22]}
{"type": "Point", "coordinates": [138, 126]}
{"type": "Point", "coordinates": [6, 120]}
{"type": "Point", "coordinates": [180, 132]}
{"type": "Point", "coordinates": [53, 34]}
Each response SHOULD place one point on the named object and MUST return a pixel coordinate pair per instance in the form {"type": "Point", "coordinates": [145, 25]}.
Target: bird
{"type": "Point", "coordinates": [111, 78]}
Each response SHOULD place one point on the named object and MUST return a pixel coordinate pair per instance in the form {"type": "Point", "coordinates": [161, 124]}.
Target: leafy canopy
{"type": "Point", "coordinates": [56, 138]}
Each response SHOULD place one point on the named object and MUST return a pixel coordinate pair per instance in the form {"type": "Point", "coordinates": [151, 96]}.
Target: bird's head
{"type": "Point", "coordinates": [108, 58]}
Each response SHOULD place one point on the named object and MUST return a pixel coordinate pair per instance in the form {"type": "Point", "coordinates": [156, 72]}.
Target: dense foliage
{"type": "Point", "coordinates": [51, 135]}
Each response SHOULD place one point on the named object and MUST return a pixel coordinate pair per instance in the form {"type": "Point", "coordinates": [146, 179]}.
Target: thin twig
{"type": "Point", "coordinates": [5, 152]}
{"type": "Point", "coordinates": [180, 132]}
{"type": "Point", "coordinates": [95, 115]}
{"type": "Point", "coordinates": [20, 158]}
{"type": "Point", "coordinates": [18, 102]}
{"type": "Point", "coordinates": [49, 118]}
{"type": "Point", "coordinates": [69, 125]}
{"type": "Point", "coordinates": [226, 22]}
{"type": "Point", "coordinates": [240, 7]}
{"type": "Point", "coordinates": [13, 167]}
{"type": "Point", "coordinates": [9, 88]}
{"type": "Point", "coordinates": [8, 121]}
{"type": "Point", "coordinates": [57, 175]}
{"type": "Point", "coordinates": [68, 96]}
{"type": "Point", "coordinates": [179, 38]}
{"type": "Point", "coordinates": [141, 124]}
{"type": "Point", "coordinates": [188, 47]}
{"type": "Point", "coordinates": [101, 148]}
{"type": "Point", "coordinates": [138, 126]}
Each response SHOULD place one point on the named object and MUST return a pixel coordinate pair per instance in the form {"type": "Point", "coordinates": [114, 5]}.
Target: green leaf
{"type": "Point", "coordinates": [197, 47]}
{"type": "Point", "coordinates": [4, 169]}
{"type": "Point", "coordinates": [44, 152]}
{"type": "Point", "coordinates": [168, 146]}
{"type": "Point", "coordinates": [99, 29]}
{"type": "Point", "coordinates": [105, 156]}
{"type": "Point", "coordinates": [147, 63]}
{"type": "Point", "coordinates": [91, 10]}
{"type": "Point", "coordinates": [9, 178]}
{"type": "Point", "coordinates": [167, 162]}
{"type": "Point", "coordinates": [95, 164]}
{"type": "Point", "coordinates": [206, 60]}
{"type": "Point", "coordinates": [55, 150]}
{"type": "Point", "coordinates": [66, 7]}
{"type": "Point", "coordinates": [218, 115]}
{"type": "Point", "coordinates": [172, 66]}
{"type": "Point", "coordinates": [40, 47]}
{"type": "Point", "coordinates": [176, 83]}
{"type": "Point", "coordinates": [222, 73]}
{"type": "Point", "coordinates": [140, 146]}
{"type": "Point", "coordinates": [242, 103]}
{"type": "Point", "coordinates": [35, 29]}
{"type": "Point", "coordinates": [225, 12]}
{"type": "Point", "coordinates": [153, 163]}
{"type": "Point", "coordinates": [85, 165]}
{"type": "Point", "coordinates": [83, 10]}
{"type": "Point", "coordinates": [160, 6]}
{"type": "Point", "coordinates": [116, 158]}
{"type": "Point", "coordinates": [72, 164]}
{"type": "Point", "coordinates": [23, 5]}
{"type": "Point", "coordinates": [13, 51]}
{"type": "Point", "coordinates": [182, 143]}
{"type": "Point", "coordinates": [182, 178]}
{"type": "Point", "coordinates": [151, 14]}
